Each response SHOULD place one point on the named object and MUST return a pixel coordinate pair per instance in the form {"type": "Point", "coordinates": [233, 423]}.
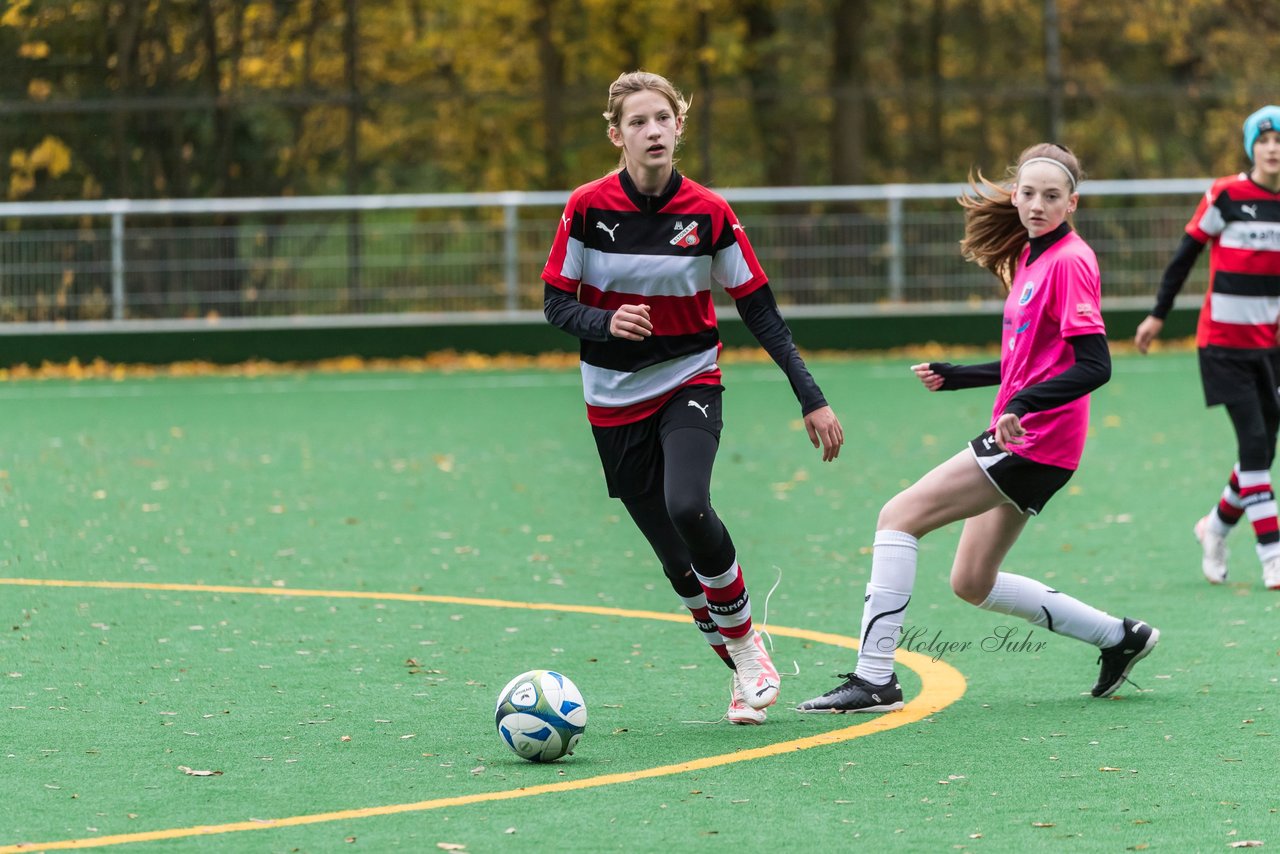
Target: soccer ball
{"type": "Point", "coordinates": [541, 715]}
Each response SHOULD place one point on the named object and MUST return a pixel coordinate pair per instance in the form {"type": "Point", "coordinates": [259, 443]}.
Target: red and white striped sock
{"type": "Point", "coordinates": [697, 606]}
{"type": "Point", "coordinates": [727, 600]}
{"type": "Point", "coordinates": [1260, 506]}
{"type": "Point", "coordinates": [1230, 507]}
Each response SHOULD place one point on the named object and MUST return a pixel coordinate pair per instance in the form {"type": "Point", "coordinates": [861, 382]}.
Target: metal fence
{"type": "Point", "coordinates": [312, 260]}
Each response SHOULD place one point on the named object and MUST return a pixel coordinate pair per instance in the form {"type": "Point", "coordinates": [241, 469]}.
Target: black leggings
{"type": "Point", "coordinates": [1256, 422]}
{"type": "Point", "coordinates": [676, 516]}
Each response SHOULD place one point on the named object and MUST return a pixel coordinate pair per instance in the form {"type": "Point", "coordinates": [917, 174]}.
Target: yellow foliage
{"type": "Point", "coordinates": [15, 15]}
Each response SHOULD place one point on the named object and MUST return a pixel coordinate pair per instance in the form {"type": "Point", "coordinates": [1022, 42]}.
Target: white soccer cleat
{"type": "Point", "coordinates": [739, 712]}
{"type": "Point", "coordinates": [757, 677]}
{"type": "Point", "coordinates": [1271, 573]}
{"type": "Point", "coordinates": [1214, 560]}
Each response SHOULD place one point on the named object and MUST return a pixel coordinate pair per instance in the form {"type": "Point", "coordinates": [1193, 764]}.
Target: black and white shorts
{"type": "Point", "coordinates": [632, 453]}
{"type": "Point", "coordinates": [1230, 376]}
{"type": "Point", "coordinates": [1026, 484]}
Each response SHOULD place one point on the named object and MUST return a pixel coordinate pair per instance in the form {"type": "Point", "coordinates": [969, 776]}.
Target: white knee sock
{"type": "Point", "coordinates": [1027, 598]}
{"type": "Point", "coordinates": [893, 577]}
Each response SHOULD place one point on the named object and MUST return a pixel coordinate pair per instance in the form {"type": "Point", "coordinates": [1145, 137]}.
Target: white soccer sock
{"type": "Point", "coordinates": [893, 577]}
{"type": "Point", "coordinates": [1039, 605]}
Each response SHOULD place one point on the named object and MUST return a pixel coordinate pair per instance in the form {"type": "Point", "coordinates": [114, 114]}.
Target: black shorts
{"type": "Point", "coordinates": [1027, 485]}
{"type": "Point", "coordinates": [632, 453]}
{"type": "Point", "coordinates": [1230, 376]}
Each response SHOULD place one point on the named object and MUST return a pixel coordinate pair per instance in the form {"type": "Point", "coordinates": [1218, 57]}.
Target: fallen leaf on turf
{"type": "Point", "coordinates": [450, 846]}
{"type": "Point", "coordinates": [1247, 843]}
{"type": "Point", "coordinates": [1109, 768]}
{"type": "Point", "coordinates": [509, 830]}
{"type": "Point", "coordinates": [191, 772]}
{"type": "Point", "coordinates": [1042, 824]}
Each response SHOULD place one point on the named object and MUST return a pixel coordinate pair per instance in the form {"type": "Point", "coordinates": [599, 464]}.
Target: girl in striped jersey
{"type": "Point", "coordinates": [1239, 218]}
{"type": "Point", "coordinates": [1053, 353]}
{"type": "Point", "coordinates": [630, 274]}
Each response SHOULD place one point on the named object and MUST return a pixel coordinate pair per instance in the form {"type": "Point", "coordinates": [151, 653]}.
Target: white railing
{"type": "Point", "coordinates": [409, 257]}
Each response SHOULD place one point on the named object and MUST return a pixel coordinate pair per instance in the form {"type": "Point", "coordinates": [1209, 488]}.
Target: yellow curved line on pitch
{"type": "Point", "coordinates": [941, 685]}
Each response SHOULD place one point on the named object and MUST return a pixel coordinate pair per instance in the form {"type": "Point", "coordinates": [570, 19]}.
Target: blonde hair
{"type": "Point", "coordinates": [993, 233]}
{"type": "Point", "coordinates": [631, 82]}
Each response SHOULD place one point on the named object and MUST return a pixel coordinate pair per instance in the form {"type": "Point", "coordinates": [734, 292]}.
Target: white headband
{"type": "Point", "coordinates": [1058, 163]}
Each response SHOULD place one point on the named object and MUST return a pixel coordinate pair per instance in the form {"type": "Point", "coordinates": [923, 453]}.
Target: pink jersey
{"type": "Point", "coordinates": [1057, 296]}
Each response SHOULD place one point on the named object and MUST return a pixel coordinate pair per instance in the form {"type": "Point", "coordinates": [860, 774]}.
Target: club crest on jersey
{"type": "Point", "coordinates": [1027, 290]}
{"type": "Point", "coordinates": [686, 235]}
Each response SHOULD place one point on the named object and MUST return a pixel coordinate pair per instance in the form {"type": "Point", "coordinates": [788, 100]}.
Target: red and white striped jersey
{"type": "Point", "coordinates": [1241, 222]}
{"type": "Point", "coordinates": [615, 246]}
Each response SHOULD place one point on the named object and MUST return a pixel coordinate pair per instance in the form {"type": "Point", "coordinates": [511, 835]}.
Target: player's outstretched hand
{"type": "Point", "coordinates": [932, 381]}
{"type": "Point", "coordinates": [825, 431]}
{"type": "Point", "coordinates": [1148, 329]}
{"type": "Point", "coordinates": [631, 322]}
{"type": "Point", "coordinates": [1009, 431]}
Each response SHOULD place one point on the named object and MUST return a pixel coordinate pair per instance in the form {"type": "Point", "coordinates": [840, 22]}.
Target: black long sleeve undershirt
{"type": "Point", "coordinates": [1175, 275]}
{"type": "Point", "coordinates": [759, 311]}
{"type": "Point", "coordinates": [1091, 371]}
{"type": "Point", "coordinates": [563, 311]}
{"type": "Point", "coordinates": [956, 377]}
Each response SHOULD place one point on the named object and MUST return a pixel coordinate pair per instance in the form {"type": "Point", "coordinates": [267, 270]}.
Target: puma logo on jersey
{"type": "Point", "coordinates": [700, 408]}
{"type": "Point", "coordinates": [1251, 210]}
{"type": "Point", "coordinates": [607, 229]}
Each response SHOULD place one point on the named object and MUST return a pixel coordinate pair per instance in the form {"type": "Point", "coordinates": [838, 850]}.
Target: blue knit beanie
{"type": "Point", "coordinates": [1268, 118]}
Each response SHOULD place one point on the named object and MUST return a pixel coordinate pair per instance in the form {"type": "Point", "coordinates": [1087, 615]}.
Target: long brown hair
{"type": "Point", "coordinates": [632, 82]}
{"type": "Point", "coordinates": [993, 233]}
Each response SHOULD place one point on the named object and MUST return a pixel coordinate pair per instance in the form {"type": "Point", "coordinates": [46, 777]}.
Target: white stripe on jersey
{"type": "Point", "coordinates": [603, 387]}
{"type": "Point", "coordinates": [1251, 311]}
{"type": "Point", "coordinates": [731, 269]}
{"type": "Point", "coordinates": [572, 266]}
{"type": "Point", "coordinates": [1212, 222]}
{"type": "Point", "coordinates": [647, 275]}
{"type": "Point", "coordinates": [1257, 236]}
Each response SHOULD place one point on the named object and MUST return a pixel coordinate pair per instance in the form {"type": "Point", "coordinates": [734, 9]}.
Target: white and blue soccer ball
{"type": "Point", "coordinates": [541, 715]}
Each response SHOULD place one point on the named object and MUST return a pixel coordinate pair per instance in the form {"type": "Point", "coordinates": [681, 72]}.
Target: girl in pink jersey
{"type": "Point", "coordinates": [630, 274]}
{"type": "Point", "coordinates": [1239, 219]}
{"type": "Point", "coordinates": [1053, 353]}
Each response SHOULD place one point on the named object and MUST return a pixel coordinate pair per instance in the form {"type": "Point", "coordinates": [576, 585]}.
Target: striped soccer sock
{"type": "Point", "coordinates": [1260, 506]}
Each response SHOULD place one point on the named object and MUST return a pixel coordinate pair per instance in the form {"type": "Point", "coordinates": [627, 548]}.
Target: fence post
{"type": "Point", "coordinates": [897, 266]}
{"type": "Point", "coordinates": [511, 251]}
{"type": "Point", "coordinates": [117, 265]}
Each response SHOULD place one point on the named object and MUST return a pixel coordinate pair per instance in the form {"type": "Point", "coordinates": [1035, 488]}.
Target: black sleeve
{"type": "Point", "coordinates": [564, 311]}
{"type": "Point", "coordinates": [956, 377]}
{"type": "Point", "coordinates": [1091, 370]}
{"type": "Point", "coordinates": [759, 311]}
{"type": "Point", "coordinates": [1175, 275]}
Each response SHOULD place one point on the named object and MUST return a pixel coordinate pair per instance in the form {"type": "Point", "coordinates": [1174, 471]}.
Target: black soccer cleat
{"type": "Point", "coordinates": [1117, 661]}
{"type": "Point", "coordinates": [857, 695]}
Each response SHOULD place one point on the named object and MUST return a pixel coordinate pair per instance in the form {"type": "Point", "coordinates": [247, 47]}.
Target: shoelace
{"type": "Point", "coordinates": [764, 620]}
{"type": "Point", "coordinates": [1122, 678]}
{"type": "Point", "coordinates": [724, 716]}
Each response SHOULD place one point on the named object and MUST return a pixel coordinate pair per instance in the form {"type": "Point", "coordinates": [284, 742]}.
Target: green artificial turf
{"type": "Point", "coordinates": [485, 485]}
